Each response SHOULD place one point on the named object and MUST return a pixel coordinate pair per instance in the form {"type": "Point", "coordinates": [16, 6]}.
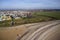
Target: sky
{"type": "Point", "coordinates": [29, 4]}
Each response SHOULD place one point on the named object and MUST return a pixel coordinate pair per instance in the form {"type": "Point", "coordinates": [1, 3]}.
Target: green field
{"type": "Point", "coordinates": [53, 14]}
{"type": "Point", "coordinates": [36, 17]}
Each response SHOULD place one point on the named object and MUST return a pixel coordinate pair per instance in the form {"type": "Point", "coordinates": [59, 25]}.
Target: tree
{"type": "Point", "coordinates": [12, 20]}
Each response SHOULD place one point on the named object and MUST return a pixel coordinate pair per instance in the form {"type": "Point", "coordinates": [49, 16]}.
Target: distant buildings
{"type": "Point", "coordinates": [5, 15]}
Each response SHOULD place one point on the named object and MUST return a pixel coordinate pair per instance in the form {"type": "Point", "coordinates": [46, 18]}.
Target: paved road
{"type": "Point", "coordinates": [37, 30]}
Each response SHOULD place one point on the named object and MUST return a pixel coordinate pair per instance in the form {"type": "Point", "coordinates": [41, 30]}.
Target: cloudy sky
{"type": "Point", "coordinates": [30, 4]}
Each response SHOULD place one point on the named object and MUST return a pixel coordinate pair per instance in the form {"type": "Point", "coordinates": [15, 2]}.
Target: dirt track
{"type": "Point", "coordinates": [33, 31]}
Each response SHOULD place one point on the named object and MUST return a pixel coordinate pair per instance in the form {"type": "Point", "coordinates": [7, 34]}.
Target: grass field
{"type": "Point", "coordinates": [54, 14]}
